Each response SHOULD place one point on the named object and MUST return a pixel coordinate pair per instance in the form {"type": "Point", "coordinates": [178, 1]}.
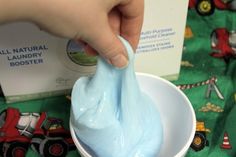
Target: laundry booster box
{"type": "Point", "coordinates": [35, 64]}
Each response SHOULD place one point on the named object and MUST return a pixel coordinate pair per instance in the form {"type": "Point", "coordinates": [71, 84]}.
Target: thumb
{"type": "Point", "coordinates": [109, 46]}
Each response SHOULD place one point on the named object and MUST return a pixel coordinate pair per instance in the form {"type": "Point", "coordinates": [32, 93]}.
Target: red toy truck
{"type": "Point", "coordinates": [223, 44]}
{"type": "Point", "coordinates": [14, 140]}
{"type": "Point", "coordinates": [207, 7]}
{"type": "Point", "coordinates": [20, 130]}
{"type": "Point", "coordinates": [51, 139]}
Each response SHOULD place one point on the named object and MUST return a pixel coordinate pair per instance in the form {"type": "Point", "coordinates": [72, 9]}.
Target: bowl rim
{"type": "Point", "coordinates": [182, 151]}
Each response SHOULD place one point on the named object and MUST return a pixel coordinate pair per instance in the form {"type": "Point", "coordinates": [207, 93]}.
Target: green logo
{"type": "Point", "coordinates": [76, 53]}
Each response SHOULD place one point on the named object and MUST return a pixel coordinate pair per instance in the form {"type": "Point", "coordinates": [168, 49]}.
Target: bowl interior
{"type": "Point", "coordinates": [177, 115]}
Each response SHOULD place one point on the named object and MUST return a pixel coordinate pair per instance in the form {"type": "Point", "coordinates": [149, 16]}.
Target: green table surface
{"type": "Point", "coordinates": [222, 124]}
{"type": "Point", "coordinates": [203, 66]}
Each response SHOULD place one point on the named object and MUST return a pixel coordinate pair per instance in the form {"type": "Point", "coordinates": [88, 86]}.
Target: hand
{"type": "Point", "coordinates": [96, 23]}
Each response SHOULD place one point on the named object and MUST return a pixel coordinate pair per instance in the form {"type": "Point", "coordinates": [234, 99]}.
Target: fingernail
{"type": "Point", "coordinates": [119, 61]}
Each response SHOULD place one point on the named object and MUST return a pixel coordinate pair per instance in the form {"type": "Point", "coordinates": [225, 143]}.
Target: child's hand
{"type": "Point", "coordinates": [96, 23]}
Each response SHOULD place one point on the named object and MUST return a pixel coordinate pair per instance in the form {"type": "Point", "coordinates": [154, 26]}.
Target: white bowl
{"type": "Point", "coordinates": [177, 115]}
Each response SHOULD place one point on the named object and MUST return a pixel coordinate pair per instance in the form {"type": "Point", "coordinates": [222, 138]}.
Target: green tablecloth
{"type": "Point", "coordinates": [221, 121]}
{"type": "Point", "coordinates": [219, 116]}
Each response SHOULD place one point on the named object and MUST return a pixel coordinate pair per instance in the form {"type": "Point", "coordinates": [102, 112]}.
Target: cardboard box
{"type": "Point", "coordinates": [34, 64]}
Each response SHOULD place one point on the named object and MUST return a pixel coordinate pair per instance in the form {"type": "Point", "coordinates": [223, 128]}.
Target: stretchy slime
{"type": "Point", "coordinates": [112, 117]}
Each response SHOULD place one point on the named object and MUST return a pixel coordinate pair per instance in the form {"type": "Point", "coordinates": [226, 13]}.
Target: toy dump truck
{"type": "Point", "coordinates": [18, 131]}
{"type": "Point", "coordinates": [200, 139]}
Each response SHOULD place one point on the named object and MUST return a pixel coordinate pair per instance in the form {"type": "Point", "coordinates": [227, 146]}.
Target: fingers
{"type": "Point", "coordinates": [114, 21]}
{"type": "Point", "coordinates": [111, 48]}
{"type": "Point", "coordinates": [90, 51]}
{"type": "Point", "coordinates": [132, 20]}
{"type": "Point", "coordinates": [106, 42]}
{"type": "Point", "coordinates": [125, 20]}
{"type": "Point", "coordinates": [114, 18]}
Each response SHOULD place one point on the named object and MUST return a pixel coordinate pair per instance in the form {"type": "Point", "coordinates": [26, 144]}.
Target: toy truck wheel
{"type": "Point", "coordinates": [199, 142]}
{"type": "Point", "coordinates": [16, 149]}
{"type": "Point", "coordinates": [55, 148]}
{"type": "Point", "coordinates": [205, 7]}
{"type": "Point", "coordinates": [1, 148]}
{"type": "Point", "coordinates": [35, 142]}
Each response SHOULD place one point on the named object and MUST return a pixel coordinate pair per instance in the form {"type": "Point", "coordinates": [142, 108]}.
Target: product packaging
{"type": "Point", "coordinates": [35, 64]}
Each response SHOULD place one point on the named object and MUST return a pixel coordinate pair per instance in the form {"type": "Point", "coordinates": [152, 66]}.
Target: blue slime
{"type": "Point", "coordinates": [112, 117]}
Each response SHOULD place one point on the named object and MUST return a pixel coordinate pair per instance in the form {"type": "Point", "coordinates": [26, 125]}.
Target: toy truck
{"type": "Point", "coordinates": [223, 44]}
{"type": "Point", "coordinates": [15, 132]}
{"type": "Point", "coordinates": [207, 7]}
{"type": "Point", "coordinates": [200, 140]}
{"type": "Point", "coordinates": [51, 139]}
{"type": "Point", "coordinates": [20, 130]}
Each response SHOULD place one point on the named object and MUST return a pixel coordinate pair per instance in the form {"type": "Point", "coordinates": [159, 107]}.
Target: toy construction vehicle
{"type": "Point", "coordinates": [223, 44]}
{"type": "Point", "coordinates": [51, 139]}
{"type": "Point", "coordinates": [20, 130]}
{"type": "Point", "coordinates": [207, 7]}
{"type": "Point", "coordinates": [14, 140]}
{"type": "Point", "coordinates": [200, 140]}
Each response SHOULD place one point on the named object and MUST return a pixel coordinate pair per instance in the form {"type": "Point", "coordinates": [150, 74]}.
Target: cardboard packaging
{"type": "Point", "coordinates": [34, 64]}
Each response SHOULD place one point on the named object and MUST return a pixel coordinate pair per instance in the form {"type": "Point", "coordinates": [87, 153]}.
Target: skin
{"type": "Point", "coordinates": [94, 23]}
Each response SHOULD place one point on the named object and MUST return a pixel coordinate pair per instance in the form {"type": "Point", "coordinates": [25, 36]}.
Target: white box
{"type": "Point", "coordinates": [34, 64]}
